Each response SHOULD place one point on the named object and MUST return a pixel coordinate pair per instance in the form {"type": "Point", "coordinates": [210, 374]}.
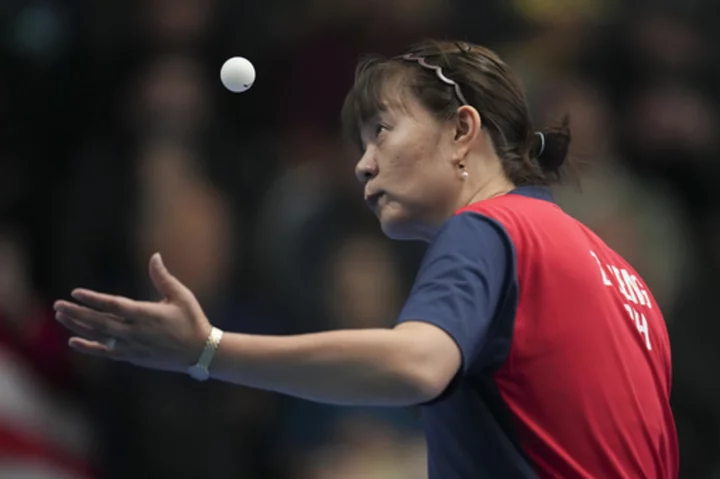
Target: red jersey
{"type": "Point", "coordinates": [566, 360]}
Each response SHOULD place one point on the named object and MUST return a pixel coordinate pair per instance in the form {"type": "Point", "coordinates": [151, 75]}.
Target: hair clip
{"type": "Point", "coordinates": [542, 142]}
{"type": "Point", "coordinates": [464, 47]}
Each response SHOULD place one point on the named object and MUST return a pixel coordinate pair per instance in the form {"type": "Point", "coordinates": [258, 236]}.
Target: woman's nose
{"type": "Point", "coordinates": [366, 169]}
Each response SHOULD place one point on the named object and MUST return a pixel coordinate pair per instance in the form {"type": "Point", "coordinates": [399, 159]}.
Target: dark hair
{"type": "Point", "coordinates": [484, 81]}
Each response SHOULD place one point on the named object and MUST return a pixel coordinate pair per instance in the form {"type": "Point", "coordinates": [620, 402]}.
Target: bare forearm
{"type": "Point", "coordinates": [351, 367]}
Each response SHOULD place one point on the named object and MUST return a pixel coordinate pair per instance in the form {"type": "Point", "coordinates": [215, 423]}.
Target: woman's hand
{"type": "Point", "coordinates": [167, 335]}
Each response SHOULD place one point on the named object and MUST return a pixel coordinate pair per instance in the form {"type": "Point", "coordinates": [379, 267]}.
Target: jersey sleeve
{"type": "Point", "coordinates": [461, 282]}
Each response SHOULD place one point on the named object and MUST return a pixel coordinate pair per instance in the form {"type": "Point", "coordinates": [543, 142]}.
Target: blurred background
{"type": "Point", "coordinates": [117, 140]}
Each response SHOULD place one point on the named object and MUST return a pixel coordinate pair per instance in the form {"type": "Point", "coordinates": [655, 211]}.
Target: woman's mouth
{"type": "Point", "coordinates": [373, 200]}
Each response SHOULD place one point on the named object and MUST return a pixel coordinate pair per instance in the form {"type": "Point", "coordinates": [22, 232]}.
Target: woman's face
{"type": "Point", "coordinates": [409, 169]}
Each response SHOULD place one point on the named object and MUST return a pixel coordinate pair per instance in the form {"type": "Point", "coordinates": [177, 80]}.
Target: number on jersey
{"type": "Point", "coordinates": [641, 323]}
{"type": "Point", "coordinates": [628, 285]}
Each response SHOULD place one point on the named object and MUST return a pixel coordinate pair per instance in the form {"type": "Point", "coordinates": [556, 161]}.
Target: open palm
{"type": "Point", "coordinates": [168, 335]}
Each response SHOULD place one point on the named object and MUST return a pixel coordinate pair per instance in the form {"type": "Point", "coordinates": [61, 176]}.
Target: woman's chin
{"type": "Point", "coordinates": [396, 225]}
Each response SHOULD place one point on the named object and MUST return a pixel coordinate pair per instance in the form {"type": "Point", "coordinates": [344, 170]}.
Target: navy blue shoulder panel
{"type": "Point", "coordinates": [467, 285]}
{"type": "Point", "coordinates": [463, 279]}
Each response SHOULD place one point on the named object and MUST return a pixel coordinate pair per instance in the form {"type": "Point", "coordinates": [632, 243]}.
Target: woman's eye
{"type": "Point", "coordinates": [379, 129]}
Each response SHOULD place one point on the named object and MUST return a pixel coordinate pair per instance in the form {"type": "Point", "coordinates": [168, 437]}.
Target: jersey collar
{"type": "Point", "coordinates": [537, 192]}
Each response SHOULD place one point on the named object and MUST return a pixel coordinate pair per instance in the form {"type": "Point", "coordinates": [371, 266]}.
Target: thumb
{"type": "Point", "coordinates": [166, 284]}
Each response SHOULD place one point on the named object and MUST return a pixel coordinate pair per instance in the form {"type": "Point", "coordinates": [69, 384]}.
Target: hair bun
{"type": "Point", "coordinates": [551, 145]}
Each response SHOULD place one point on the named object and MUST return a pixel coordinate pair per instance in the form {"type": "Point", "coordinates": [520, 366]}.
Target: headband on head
{"type": "Point", "coordinates": [438, 70]}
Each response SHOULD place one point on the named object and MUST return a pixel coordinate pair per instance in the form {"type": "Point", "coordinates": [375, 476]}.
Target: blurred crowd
{"type": "Point", "coordinates": [117, 140]}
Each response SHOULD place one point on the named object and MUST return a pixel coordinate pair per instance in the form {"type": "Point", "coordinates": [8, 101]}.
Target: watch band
{"type": "Point", "coordinates": [201, 370]}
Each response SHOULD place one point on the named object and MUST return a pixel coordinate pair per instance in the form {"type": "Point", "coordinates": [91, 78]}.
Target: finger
{"type": "Point", "coordinates": [82, 312]}
{"type": "Point", "coordinates": [166, 284]}
{"type": "Point", "coordinates": [82, 329]}
{"type": "Point", "coordinates": [95, 322]}
{"type": "Point", "coordinates": [76, 326]}
{"type": "Point", "coordinates": [117, 305]}
{"type": "Point", "coordinates": [95, 348]}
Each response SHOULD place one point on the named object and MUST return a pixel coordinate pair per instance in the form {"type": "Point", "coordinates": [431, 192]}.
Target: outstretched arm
{"type": "Point", "coordinates": [409, 364]}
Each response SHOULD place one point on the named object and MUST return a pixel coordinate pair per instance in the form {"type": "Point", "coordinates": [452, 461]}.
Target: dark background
{"type": "Point", "coordinates": [117, 139]}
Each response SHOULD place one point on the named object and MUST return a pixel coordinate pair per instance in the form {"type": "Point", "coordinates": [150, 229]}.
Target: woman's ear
{"type": "Point", "coordinates": [468, 125]}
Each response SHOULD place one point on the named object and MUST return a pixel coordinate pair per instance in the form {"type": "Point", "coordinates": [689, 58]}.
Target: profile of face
{"type": "Point", "coordinates": [412, 166]}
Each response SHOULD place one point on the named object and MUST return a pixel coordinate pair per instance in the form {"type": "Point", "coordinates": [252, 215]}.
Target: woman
{"type": "Point", "coordinates": [532, 348]}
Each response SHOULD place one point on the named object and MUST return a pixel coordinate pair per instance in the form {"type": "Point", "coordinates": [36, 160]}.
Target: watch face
{"type": "Point", "coordinates": [199, 373]}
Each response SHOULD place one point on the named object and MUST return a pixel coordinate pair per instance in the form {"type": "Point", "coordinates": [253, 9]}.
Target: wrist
{"type": "Point", "coordinates": [200, 370]}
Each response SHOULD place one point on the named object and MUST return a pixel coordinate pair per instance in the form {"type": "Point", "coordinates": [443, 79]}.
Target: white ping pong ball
{"type": "Point", "coordinates": [237, 74]}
